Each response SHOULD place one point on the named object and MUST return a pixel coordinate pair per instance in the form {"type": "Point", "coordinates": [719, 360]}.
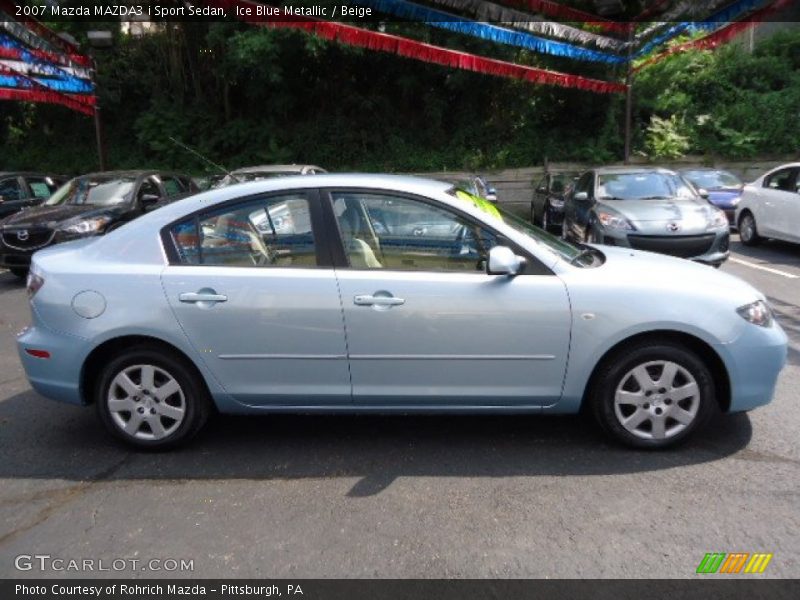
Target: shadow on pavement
{"type": "Point", "coordinates": [775, 253]}
{"type": "Point", "coordinates": [44, 440]}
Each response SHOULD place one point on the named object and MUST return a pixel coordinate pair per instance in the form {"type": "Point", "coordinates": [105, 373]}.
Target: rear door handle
{"type": "Point", "coordinates": [202, 296]}
{"type": "Point", "coordinates": [365, 300]}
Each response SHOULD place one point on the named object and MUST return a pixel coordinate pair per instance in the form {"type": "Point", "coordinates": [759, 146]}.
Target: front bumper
{"type": "Point", "coordinates": [709, 248]}
{"type": "Point", "coordinates": [11, 259]}
{"type": "Point", "coordinates": [753, 361]}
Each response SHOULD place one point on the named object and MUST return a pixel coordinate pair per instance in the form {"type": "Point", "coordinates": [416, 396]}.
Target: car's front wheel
{"type": "Point", "coordinates": [653, 395]}
{"type": "Point", "coordinates": [151, 399]}
{"type": "Point", "coordinates": [748, 232]}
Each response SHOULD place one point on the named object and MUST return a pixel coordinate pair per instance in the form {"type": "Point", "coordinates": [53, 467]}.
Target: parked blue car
{"type": "Point", "coordinates": [724, 189]}
{"type": "Point", "coordinates": [366, 293]}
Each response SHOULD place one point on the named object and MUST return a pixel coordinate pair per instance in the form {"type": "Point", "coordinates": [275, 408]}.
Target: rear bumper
{"type": "Point", "coordinates": [754, 362]}
{"type": "Point", "coordinates": [57, 377]}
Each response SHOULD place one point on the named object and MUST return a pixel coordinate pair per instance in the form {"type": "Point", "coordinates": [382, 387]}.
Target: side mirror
{"type": "Point", "coordinates": [542, 189]}
{"type": "Point", "coordinates": [149, 199]}
{"type": "Point", "coordinates": [491, 196]}
{"type": "Point", "coordinates": [503, 261]}
{"type": "Point", "coordinates": [581, 197]}
{"type": "Point", "coordinates": [703, 193]}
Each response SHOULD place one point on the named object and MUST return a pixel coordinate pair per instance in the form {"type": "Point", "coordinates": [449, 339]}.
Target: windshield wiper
{"type": "Point", "coordinates": [610, 198]}
{"type": "Point", "coordinates": [655, 198]}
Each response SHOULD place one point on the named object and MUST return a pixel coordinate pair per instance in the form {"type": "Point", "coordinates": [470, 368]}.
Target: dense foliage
{"type": "Point", "coordinates": [243, 95]}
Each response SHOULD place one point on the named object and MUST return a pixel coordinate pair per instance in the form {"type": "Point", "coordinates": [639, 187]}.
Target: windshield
{"type": "Point", "coordinates": [652, 185]}
{"type": "Point", "coordinates": [566, 250]}
{"type": "Point", "coordinates": [713, 180]}
{"type": "Point", "coordinates": [93, 191]}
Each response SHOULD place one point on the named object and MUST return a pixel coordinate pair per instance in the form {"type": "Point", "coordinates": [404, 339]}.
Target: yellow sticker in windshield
{"type": "Point", "coordinates": [479, 203]}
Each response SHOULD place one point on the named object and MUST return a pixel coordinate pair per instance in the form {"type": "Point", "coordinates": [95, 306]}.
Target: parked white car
{"type": "Point", "coordinates": [770, 207]}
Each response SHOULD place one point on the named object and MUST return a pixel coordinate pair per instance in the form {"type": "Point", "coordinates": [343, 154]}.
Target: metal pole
{"type": "Point", "coordinates": [629, 98]}
{"type": "Point", "coordinates": [98, 124]}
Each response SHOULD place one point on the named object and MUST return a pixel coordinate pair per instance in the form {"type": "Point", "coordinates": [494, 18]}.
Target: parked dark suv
{"type": "Point", "coordinates": [23, 190]}
{"type": "Point", "coordinates": [88, 205]}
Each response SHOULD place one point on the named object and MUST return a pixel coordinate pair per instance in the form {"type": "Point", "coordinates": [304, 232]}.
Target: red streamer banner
{"type": "Point", "coordinates": [384, 42]}
{"type": "Point", "coordinates": [70, 50]}
{"type": "Point", "coordinates": [46, 97]}
{"type": "Point", "coordinates": [720, 36]}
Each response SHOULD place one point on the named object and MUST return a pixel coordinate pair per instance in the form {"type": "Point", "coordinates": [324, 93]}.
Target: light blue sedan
{"type": "Point", "coordinates": [365, 293]}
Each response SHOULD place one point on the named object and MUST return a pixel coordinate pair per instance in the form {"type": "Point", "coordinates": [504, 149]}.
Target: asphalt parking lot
{"type": "Point", "coordinates": [296, 496]}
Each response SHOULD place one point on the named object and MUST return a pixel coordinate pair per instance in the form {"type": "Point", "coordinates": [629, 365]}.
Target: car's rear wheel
{"type": "Point", "coordinates": [20, 272]}
{"type": "Point", "coordinates": [653, 395]}
{"type": "Point", "coordinates": [748, 231]}
{"type": "Point", "coordinates": [151, 399]}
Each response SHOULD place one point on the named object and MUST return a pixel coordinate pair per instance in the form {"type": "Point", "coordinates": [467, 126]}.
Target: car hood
{"type": "Point", "coordinates": [637, 268]}
{"type": "Point", "coordinates": [50, 216]}
{"type": "Point", "coordinates": [724, 197]}
{"type": "Point", "coordinates": [654, 215]}
{"type": "Point", "coordinates": [674, 209]}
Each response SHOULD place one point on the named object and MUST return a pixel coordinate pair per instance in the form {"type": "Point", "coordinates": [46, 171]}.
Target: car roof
{"type": "Point", "coordinates": [128, 173]}
{"type": "Point", "coordinates": [276, 169]}
{"type": "Point", "coordinates": [397, 183]}
{"type": "Point", "coordinates": [28, 173]}
{"type": "Point", "coordinates": [623, 170]}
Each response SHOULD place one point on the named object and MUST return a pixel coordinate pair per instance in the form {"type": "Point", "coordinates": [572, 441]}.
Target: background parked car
{"type": "Point", "coordinates": [647, 209]}
{"type": "Point", "coordinates": [723, 187]}
{"type": "Point", "coordinates": [84, 206]}
{"type": "Point", "coordinates": [265, 172]}
{"type": "Point", "coordinates": [23, 190]}
{"type": "Point", "coordinates": [770, 207]}
{"type": "Point", "coordinates": [547, 204]}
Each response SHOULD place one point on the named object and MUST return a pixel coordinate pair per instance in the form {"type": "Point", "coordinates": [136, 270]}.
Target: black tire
{"type": "Point", "coordinates": [617, 369]}
{"type": "Point", "coordinates": [21, 272]}
{"type": "Point", "coordinates": [196, 403]}
{"type": "Point", "coordinates": [748, 231]}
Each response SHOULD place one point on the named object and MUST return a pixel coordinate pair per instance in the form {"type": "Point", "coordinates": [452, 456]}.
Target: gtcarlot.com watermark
{"type": "Point", "coordinates": [47, 562]}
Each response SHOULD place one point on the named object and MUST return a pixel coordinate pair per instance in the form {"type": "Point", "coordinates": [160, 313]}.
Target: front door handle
{"type": "Point", "coordinates": [365, 300]}
{"type": "Point", "coordinates": [209, 296]}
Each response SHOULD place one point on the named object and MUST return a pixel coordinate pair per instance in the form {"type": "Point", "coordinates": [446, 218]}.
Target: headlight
{"type": "Point", "coordinates": [612, 221]}
{"type": "Point", "coordinates": [86, 226]}
{"type": "Point", "coordinates": [758, 313]}
{"type": "Point", "coordinates": [717, 219]}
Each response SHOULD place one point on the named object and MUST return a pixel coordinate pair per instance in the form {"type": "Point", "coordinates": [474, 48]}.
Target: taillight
{"type": "Point", "coordinates": [35, 283]}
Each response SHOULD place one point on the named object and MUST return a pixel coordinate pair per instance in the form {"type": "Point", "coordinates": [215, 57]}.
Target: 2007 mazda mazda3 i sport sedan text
{"type": "Point", "coordinates": [366, 293]}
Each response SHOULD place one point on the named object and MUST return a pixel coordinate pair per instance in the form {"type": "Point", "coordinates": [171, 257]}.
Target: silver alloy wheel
{"type": "Point", "coordinates": [657, 400]}
{"type": "Point", "coordinates": [747, 229]}
{"type": "Point", "coordinates": [146, 402]}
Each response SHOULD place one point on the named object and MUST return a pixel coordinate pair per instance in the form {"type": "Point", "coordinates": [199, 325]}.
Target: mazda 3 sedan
{"type": "Point", "coordinates": [648, 209]}
{"type": "Point", "coordinates": [366, 293]}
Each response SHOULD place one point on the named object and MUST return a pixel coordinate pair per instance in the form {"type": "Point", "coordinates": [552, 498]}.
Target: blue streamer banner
{"type": "Point", "coordinates": [57, 79]}
{"type": "Point", "coordinates": [485, 31]}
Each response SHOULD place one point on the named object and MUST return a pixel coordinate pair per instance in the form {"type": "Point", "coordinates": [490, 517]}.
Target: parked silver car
{"type": "Point", "coordinates": [647, 209]}
{"type": "Point", "coordinates": [364, 293]}
{"type": "Point", "coordinates": [770, 207]}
